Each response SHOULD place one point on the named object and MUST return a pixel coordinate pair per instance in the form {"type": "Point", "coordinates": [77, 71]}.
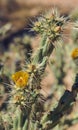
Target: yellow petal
{"type": "Point", "coordinates": [75, 53]}
{"type": "Point", "coordinates": [20, 78]}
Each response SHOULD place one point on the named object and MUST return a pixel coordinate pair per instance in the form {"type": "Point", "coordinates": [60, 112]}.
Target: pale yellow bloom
{"type": "Point", "coordinates": [57, 29]}
{"type": "Point", "coordinates": [20, 79]}
{"type": "Point", "coordinates": [18, 98]}
{"type": "Point", "coordinates": [75, 53]}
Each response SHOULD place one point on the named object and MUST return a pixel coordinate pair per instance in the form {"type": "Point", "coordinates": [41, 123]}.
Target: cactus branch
{"type": "Point", "coordinates": [65, 102]}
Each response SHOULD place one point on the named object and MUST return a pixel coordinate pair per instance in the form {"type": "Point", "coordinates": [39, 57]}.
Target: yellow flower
{"type": "Point", "coordinates": [20, 78]}
{"type": "Point", "coordinates": [75, 53]}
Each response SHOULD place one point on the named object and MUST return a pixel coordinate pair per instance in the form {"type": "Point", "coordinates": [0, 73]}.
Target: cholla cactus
{"type": "Point", "coordinates": [29, 102]}
{"type": "Point", "coordinates": [50, 26]}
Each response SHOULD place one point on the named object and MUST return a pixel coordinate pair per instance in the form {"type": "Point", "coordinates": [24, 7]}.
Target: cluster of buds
{"type": "Point", "coordinates": [51, 24]}
{"type": "Point", "coordinates": [18, 98]}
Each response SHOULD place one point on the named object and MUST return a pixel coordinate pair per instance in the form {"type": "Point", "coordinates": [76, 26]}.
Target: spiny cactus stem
{"type": "Point", "coordinates": [63, 106]}
{"type": "Point", "coordinates": [45, 49]}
